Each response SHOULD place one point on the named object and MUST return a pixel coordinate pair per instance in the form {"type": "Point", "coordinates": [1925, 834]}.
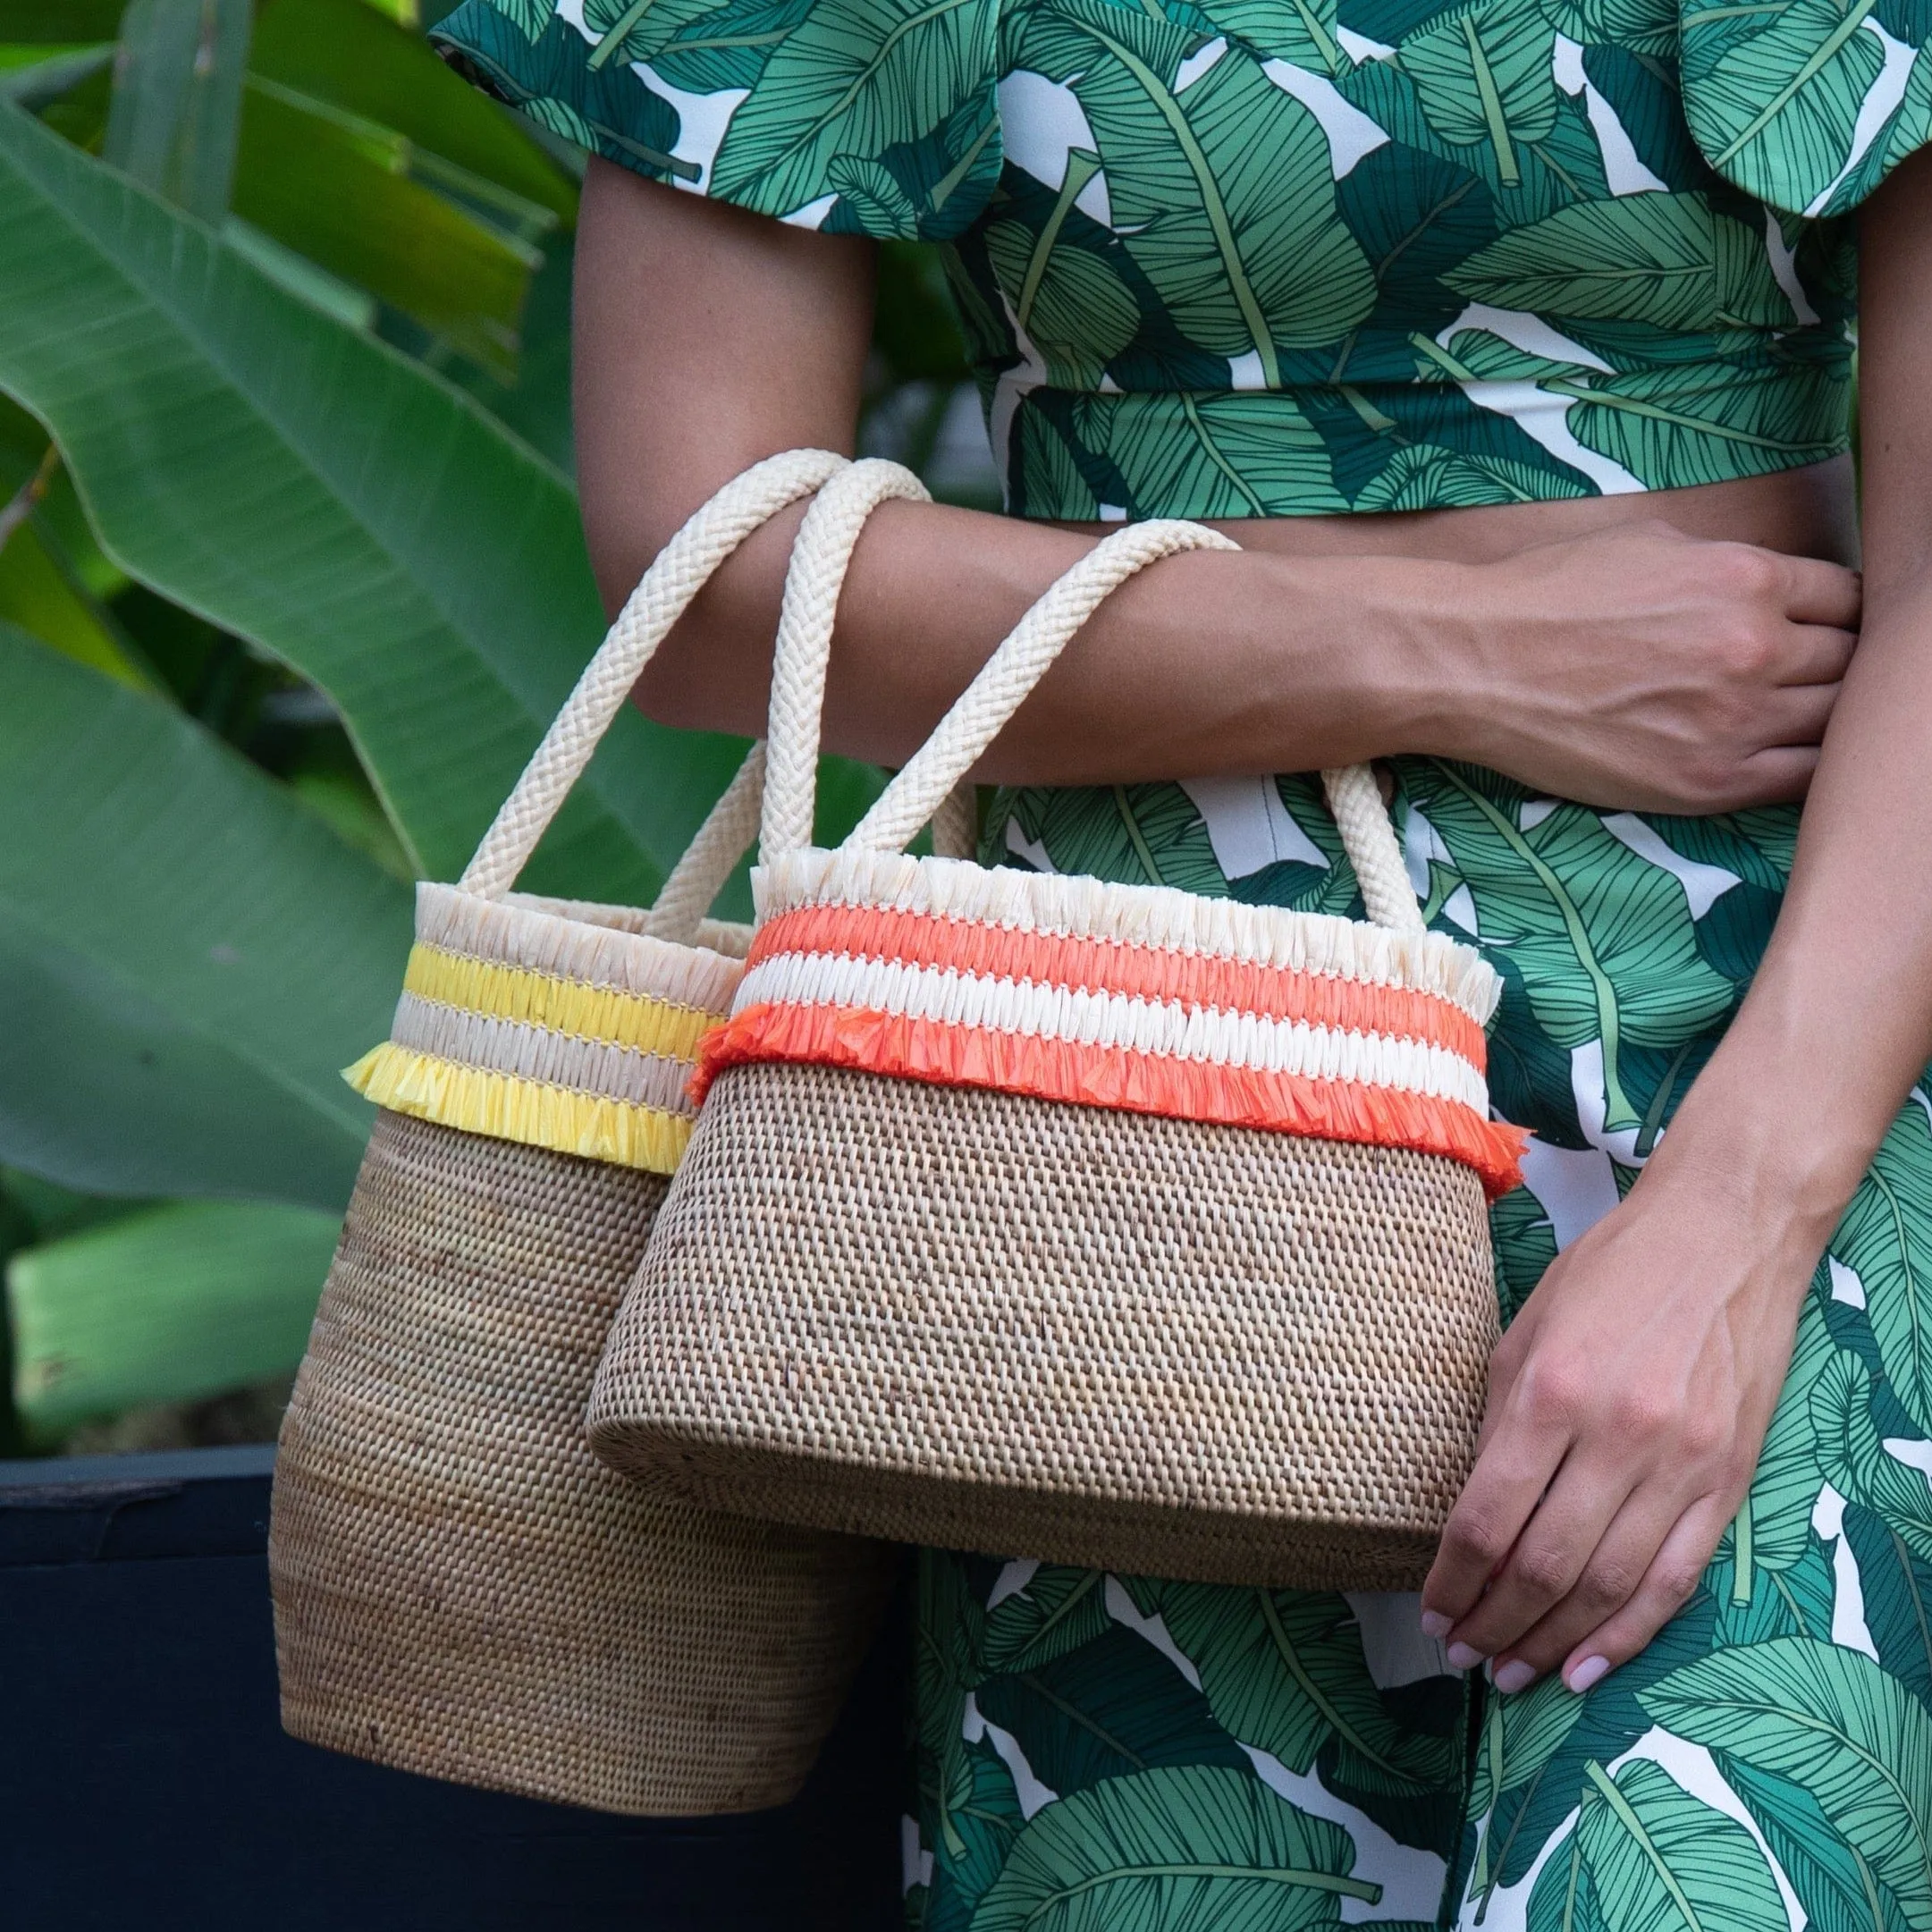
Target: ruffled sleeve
{"type": "Point", "coordinates": [1810, 104]}
{"type": "Point", "coordinates": [873, 117]}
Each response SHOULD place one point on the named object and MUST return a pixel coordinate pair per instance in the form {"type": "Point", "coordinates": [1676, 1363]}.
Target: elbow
{"type": "Point", "coordinates": [704, 677]}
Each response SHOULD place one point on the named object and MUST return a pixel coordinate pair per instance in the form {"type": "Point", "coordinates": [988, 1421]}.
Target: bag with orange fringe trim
{"type": "Point", "coordinates": [1106, 1224]}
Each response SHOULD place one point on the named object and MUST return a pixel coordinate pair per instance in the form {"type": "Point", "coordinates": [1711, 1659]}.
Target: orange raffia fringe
{"type": "Point", "coordinates": [1154, 974]}
{"type": "Point", "coordinates": [1060, 1069]}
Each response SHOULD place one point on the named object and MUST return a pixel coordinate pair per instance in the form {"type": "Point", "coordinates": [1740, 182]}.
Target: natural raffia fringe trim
{"type": "Point", "coordinates": [948, 1055]}
{"type": "Point", "coordinates": [475, 1100]}
{"type": "Point", "coordinates": [1105, 966]}
{"type": "Point", "coordinates": [1154, 916]}
{"type": "Point", "coordinates": [569, 948]}
{"type": "Point", "coordinates": [641, 1023]}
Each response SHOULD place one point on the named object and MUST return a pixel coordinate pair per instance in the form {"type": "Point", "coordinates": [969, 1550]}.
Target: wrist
{"type": "Point", "coordinates": [1732, 1141]}
{"type": "Point", "coordinates": [1390, 658]}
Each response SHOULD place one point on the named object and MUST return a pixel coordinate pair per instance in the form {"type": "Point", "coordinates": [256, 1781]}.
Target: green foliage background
{"type": "Point", "coordinates": [291, 581]}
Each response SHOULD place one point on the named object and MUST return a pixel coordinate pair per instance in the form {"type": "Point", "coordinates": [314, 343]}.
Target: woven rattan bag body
{"type": "Point", "coordinates": [461, 1588]}
{"type": "Point", "coordinates": [1105, 1224]}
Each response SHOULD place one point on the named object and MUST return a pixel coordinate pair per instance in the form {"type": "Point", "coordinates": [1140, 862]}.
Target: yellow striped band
{"type": "Point", "coordinates": [476, 1099]}
{"type": "Point", "coordinates": [564, 1005]}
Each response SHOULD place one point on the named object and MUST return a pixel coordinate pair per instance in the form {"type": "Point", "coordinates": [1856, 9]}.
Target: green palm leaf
{"type": "Point", "coordinates": [1896, 1587]}
{"type": "Point", "coordinates": [1774, 1529]}
{"type": "Point", "coordinates": [169, 1304]}
{"type": "Point", "coordinates": [1284, 1672]}
{"type": "Point", "coordinates": [1856, 1462]}
{"type": "Point", "coordinates": [1482, 73]}
{"type": "Point", "coordinates": [1605, 939]}
{"type": "Point", "coordinates": [1773, 93]}
{"type": "Point", "coordinates": [1884, 1238]}
{"type": "Point", "coordinates": [1301, 31]}
{"type": "Point", "coordinates": [947, 1623]}
{"type": "Point", "coordinates": [856, 77]}
{"type": "Point", "coordinates": [1133, 834]}
{"type": "Point", "coordinates": [1564, 1898]}
{"type": "Point", "coordinates": [1670, 260]}
{"type": "Point", "coordinates": [1661, 1860]}
{"type": "Point", "coordinates": [1113, 1707]}
{"type": "Point", "coordinates": [1831, 1719]}
{"type": "Point", "coordinates": [1226, 455]}
{"type": "Point", "coordinates": [1424, 476]}
{"type": "Point", "coordinates": [1643, 26]}
{"type": "Point", "coordinates": [1060, 1609]}
{"type": "Point", "coordinates": [320, 494]}
{"type": "Point", "coordinates": [1519, 1735]}
{"type": "Point", "coordinates": [1069, 302]}
{"type": "Point", "coordinates": [1222, 189]}
{"type": "Point", "coordinates": [191, 956]}
{"type": "Point", "coordinates": [1837, 1888]}
{"type": "Point", "coordinates": [983, 1821]}
{"type": "Point", "coordinates": [1181, 1849]}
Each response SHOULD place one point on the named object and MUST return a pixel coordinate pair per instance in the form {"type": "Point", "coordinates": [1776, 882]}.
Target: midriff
{"type": "Point", "coordinates": [1808, 512]}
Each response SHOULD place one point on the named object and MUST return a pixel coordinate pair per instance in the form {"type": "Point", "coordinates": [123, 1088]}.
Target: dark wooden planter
{"type": "Point", "coordinates": [145, 1781]}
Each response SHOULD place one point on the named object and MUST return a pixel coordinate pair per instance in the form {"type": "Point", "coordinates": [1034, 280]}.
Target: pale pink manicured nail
{"type": "Point", "coordinates": [1586, 1674]}
{"type": "Point", "coordinates": [1513, 1676]}
{"type": "Point", "coordinates": [1462, 1657]}
{"type": "Point", "coordinates": [1436, 1625]}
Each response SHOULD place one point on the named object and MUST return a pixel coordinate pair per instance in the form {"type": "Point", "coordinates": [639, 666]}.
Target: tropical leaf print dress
{"type": "Point", "coordinates": [1277, 257]}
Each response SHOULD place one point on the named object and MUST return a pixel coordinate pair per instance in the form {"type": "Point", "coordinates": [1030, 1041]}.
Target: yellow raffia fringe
{"type": "Point", "coordinates": [475, 1100]}
{"type": "Point", "coordinates": [564, 1005]}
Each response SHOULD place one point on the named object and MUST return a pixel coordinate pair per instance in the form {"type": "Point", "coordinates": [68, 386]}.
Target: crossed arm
{"type": "Point", "coordinates": [1635, 666]}
{"type": "Point", "coordinates": [1630, 1399]}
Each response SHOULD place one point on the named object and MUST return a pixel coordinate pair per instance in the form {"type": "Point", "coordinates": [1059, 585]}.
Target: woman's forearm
{"type": "Point", "coordinates": [1633, 668]}
{"type": "Point", "coordinates": [1838, 1023]}
{"type": "Point", "coordinates": [1210, 662]}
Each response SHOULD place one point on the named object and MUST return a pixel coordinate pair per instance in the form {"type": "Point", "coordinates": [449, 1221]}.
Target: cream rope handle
{"type": "Point", "coordinates": [820, 559]}
{"type": "Point", "coordinates": [1009, 675]}
{"type": "Point", "coordinates": [680, 570]}
{"type": "Point", "coordinates": [723, 838]}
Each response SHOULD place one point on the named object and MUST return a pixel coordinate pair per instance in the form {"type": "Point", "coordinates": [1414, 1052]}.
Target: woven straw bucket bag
{"type": "Point", "coordinates": [461, 1588]}
{"type": "Point", "coordinates": [1105, 1224]}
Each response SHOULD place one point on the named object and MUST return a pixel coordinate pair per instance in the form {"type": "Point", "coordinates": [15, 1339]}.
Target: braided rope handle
{"type": "Point", "coordinates": [723, 838]}
{"type": "Point", "coordinates": [680, 570]}
{"type": "Point", "coordinates": [1009, 675]}
{"type": "Point", "coordinates": [820, 559]}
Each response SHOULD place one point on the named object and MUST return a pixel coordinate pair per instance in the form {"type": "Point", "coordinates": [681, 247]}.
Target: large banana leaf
{"type": "Point", "coordinates": [338, 189]}
{"type": "Point", "coordinates": [190, 955]}
{"type": "Point", "coordinates": [345, 52]}
{"type": "Point", "coordinates": [165, 1305]}
{"type": "Point", "coordinates": [1831, 1720]}
{"type": "Point", "coordinates": [1177, 1845]}
{"type": "Point", "coordinates": [313, 491]}
{"type": "Point", "coordinates": [1656, 1858]}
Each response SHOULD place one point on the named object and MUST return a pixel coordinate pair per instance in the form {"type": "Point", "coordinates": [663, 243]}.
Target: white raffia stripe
{"type": "Point", "coordinates": [1157, 918]}
{"type": "Point", "coordinates": [576, 945]}
{"type": "Point", "coordinates": [540, 1053]}
{"type": "Point", "coordinates": [1166, 1029]}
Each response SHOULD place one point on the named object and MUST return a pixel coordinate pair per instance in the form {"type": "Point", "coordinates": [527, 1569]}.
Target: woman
{"type": "Point", "coordinates": [1511, 338]}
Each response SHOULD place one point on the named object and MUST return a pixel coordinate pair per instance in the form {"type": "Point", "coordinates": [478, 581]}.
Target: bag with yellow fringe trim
{"type": "Point", "coordinates": [461, 1588]}
{"type": "Point", "coordinates": [1099, 1223]}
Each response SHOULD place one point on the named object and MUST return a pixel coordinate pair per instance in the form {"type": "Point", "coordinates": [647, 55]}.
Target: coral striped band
{"type": "Point", "coordinates": [1133, 998]}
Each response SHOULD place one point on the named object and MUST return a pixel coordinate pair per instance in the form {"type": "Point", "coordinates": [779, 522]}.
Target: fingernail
{"type": "Point", "coordinates": [1462, 1657]}
{"type": "Point", "coordinates": [1513, 1676]}
{"type": "Point", "coordinates": [1436, 1625]}
{"type": "Point", "coordinates": [1589, 1671]}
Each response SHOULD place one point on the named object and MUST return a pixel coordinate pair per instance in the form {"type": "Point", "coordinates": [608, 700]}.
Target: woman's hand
{"type": "Point", "coordinates": [1628, 1403]}
{"type": "Point", "coordinates": [1649, 671]}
